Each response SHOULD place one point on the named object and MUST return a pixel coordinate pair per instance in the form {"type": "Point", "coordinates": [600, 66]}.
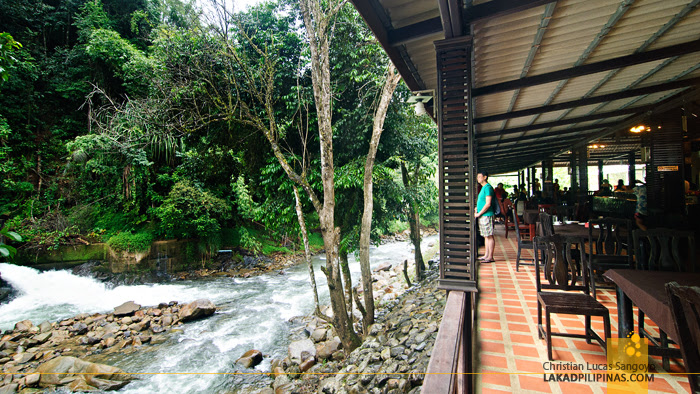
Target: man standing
{"type": "Point", "coordinates": [484, 213]}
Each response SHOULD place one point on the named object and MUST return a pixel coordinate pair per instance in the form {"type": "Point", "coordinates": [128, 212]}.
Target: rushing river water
{"type": "Point", "coordinates": [252, 313]}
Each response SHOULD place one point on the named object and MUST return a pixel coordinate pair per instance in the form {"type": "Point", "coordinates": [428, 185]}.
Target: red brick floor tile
{"type": "Point", "coordinates": [492, 361]}
{"type": "Point", "coordinates": [660, 385]}
{"type": "Point", "coordinates": [489, 316]}
{"type": "Point", "coordinates": [493, 347]}
{"type": "Point", "coordinates": [489, 334]}
{"type": "Point", "coordinates": [582, 345]}
{"type": "Point", "coordinates": [524, 351]}
{"type": "Point", "coordinates": [534, 383]}
{"type": "Point", "coordinates": [494, 391]}
{"type": "Point", "coordinates": [575, 388]}
{"type": "Point", "coordinates": [528, 366]}
{"type": "Point", "coordinates": [493, 325]}
{"type": "Point", "coordinates": [561, 355]}
{"type": "Point", "coordinates": [595, 358]}
{"type": "Point", "coordinates": [516, 318]}
{"type": "Point", "coordinates": [488, 308]}
{"type": "Point", "coordinates": [522, 339]}
{"type": "Point", "coordinates": [496, 378]}
{"type": "Point", "coordinates": [519, 327]}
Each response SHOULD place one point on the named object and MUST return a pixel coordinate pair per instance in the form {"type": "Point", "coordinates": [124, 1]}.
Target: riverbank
{"type": "Point", "coordinates": [395, 355]}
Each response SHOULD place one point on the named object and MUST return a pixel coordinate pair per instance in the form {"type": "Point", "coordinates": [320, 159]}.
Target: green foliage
{"type": "Point", "coordinates": [248, 241]}
{"type": "Point", "coordinates": [191, 212]}
{"type": "Point", "coordinates": [5, 249]}
{"type": "Point", "coordinates": [131, 242]}
{"type": "Point", "coordinates": [7, 46]}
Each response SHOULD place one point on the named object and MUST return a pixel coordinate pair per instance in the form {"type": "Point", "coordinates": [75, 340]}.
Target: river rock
{"type": "Point", "coordinates": [43, 337]}
{"type": "Point", "coordinates": [24, 325]}
{"type": "Point", "coordinates": [307, 364]}
{"type": "Point", "coordinates": [385, 266]}
{"type": "Point", "coordinates": [318, 335]}
{"type": "Point", "coordinates": [326, 349]}
{"type": "Point", "coordinates": [9, 388]}
{"type": "Point", "coordinates": [197, 310]}
{"type": "Point", "coordinates": [297, 347]}
{"type": "Point", "coordinates": [250, 359]}
{"type": "Point", "coordinates": [126, 309]}
{"type": "Point", "coordinates": [32, 380]}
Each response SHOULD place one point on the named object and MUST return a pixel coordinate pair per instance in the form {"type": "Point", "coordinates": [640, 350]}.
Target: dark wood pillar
{"type": "Point", "coordinates": [631, 171]}
{"type": "Point", "coordinates": [583, 175]}
{"type": "Point", "coordinates": [574, 178]}
{"type": "Point", "coordinates": [456, 165]}
{"type": "Point", "coordinates": [600, 174]}
{"type": "Point", "coordinates": [548, 178]}
{"type": "Point", "coordinates": [665, 186]}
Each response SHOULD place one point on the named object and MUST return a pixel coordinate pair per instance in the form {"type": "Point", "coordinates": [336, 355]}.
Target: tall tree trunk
{"type": "Point", "coordinates": [307, 251]}
{"type": "Point", "coordinates": [413, 224]}
{"type": "Point", "coordinates": [347, 280]}
{"type": "Point", "coordinates": [318, 25]}
{"type": "Point", "coordinates": [392, 80]}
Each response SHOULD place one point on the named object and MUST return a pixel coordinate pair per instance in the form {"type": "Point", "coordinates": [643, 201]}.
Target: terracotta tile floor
{"type": "Point", "coordinates": [510, 354]}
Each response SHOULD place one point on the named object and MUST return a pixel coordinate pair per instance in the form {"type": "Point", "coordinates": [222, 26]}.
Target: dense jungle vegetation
{"type": "Point", "coordinates": [120, 121]}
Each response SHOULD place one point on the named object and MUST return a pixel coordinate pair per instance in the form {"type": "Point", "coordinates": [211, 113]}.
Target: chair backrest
{"type": "Point", "coordinates": [612, 237]}
{"type": "Point", "coordinates": [560, 271]}
{"type": "Point", "coordinates": [545, 208]}
{"type": "Point", "coordinates": [517, 226]}
{"type": "Point", "coordinates": [685, 307]}
{"type": "Point", "coordinates": [546, 224]}
{"type": "Point", "coordinates": [660, 249]}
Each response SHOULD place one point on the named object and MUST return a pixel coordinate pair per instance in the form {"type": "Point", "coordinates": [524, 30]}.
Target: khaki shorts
{"type": "Point", "coordinates": [486, 225]}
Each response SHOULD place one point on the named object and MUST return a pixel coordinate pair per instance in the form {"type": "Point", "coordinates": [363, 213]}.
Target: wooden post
{"type": "Point", "coordinates": [631, 172]}
{"type": "Point", "coordinates": [600, 174]}
{"type": "Point", "coordinates": [583, 175]}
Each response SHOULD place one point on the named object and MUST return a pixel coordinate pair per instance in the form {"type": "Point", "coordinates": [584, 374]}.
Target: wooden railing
{"type": "Point", "coordinates": [450, 366]}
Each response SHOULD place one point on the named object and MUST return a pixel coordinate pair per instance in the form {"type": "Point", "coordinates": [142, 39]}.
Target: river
{"type": "Point", "coordinates": [252, 313]}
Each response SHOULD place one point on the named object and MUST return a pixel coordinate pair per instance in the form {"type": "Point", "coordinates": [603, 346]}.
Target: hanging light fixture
{"type": "Point", "coordinates": [419, 99]}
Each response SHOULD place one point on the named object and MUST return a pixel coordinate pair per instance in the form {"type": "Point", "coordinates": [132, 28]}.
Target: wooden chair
{"type": "Point", "coordinates": [575, 295]}
{"type": "Point", "coordinates": [658, 250]}
{"type": "Point", "coordinates": [523, 243]}
{"type": "Point", "coordinates": [614, 236]}
{"type": "Point", "coordinates": [685, 308]}
{"type": "Point", "coordinates": [548, 208]}
{"type": "Point", "coordinates": [546, 224]}
{"type": "Point", "coordinates": [506, 208]}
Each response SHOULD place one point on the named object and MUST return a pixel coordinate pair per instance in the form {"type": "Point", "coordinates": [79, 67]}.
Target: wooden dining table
{"type": "Point", "coordinates": [646, 290]}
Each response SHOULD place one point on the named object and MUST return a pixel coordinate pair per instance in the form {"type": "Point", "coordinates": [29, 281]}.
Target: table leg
{"type": "Point", "coordinates": [532, 231]}
{"type": "Point", "coordinates": [625, 319]}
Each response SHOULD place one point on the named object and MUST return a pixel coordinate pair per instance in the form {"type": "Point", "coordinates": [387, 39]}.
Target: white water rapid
{"type": "Point", "coordinates": [252, 313]}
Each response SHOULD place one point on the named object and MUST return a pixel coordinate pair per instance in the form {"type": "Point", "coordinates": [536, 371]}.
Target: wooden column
{"type": "Point", "coordinates": [574, 177]}
{"type": "Point", "coordinates": [548, 178]}
{"type": "Point", "coordinates": [665, 188]}
{"type": "Point", "coordinates": [600, 174]}
{"type": "Point", "coordinates": [631, 171]}
{"type": "Point", "coordinates": [583, 175]}
{"type": "Point", "coordinates": [457, 162]}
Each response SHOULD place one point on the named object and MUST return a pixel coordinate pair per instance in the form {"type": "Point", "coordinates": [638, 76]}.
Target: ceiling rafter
{"type": "Point", "coordinates": [591, 100]}
{"type": "Point", "coordinates": [591, 68]}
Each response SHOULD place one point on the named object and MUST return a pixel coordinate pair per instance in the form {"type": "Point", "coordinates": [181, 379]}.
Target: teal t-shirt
{"type": "Point", "coordinates": [487, 190]}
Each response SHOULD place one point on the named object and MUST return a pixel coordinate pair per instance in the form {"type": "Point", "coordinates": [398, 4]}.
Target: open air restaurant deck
{"type": "Point", "coordinates": [592, 280]}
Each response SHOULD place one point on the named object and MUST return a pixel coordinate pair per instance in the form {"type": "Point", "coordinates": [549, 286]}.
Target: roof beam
{"type": "Point", "coordinates": [494, 8]}
{"type": "Point", "coordinates": [592, 68]}
{"type": "Point", "coordinates": [562, 122]}
{"type": "Point", "coordinates": [415, 31]}
{"type": "Point", "coordinates": [557, 133]}
{"type": "Point", "coordinates": [591, 100]}
{"type": "Point", "coordinates": [375, 17]}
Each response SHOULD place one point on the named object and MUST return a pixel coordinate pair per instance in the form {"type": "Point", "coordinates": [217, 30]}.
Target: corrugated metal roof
{"type": "Point", "coordinates": [551, 37]}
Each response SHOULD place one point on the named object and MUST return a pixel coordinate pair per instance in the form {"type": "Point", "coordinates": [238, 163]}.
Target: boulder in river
{"type": "Point", "coordinates": [296, 349]}
{"type": "Point", "coordinates": [250, 359]}
{"type": "Point", "coordinates": [197, 310]}
{"type": "Point", "coordinates": [126, 309]}
{"type": "Point", "coordinates": [79, 375]}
